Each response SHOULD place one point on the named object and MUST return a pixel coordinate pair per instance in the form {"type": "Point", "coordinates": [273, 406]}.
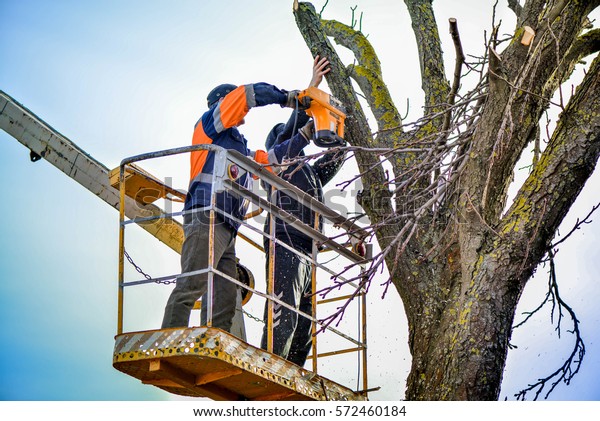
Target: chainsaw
{"type": "Point", "coordinates": [328, 115]}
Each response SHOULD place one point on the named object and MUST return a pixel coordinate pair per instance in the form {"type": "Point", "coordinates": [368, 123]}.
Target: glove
{"type": "Point", "coordinates": [262, 157]}
{"type": "Point", "coordinates": [308, 131]}
{"type": "Point", "coordinates": [291, 100]}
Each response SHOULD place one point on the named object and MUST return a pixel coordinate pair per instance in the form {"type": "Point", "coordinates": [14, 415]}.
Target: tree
{"type": "Point", "coordinates": [458, 253]}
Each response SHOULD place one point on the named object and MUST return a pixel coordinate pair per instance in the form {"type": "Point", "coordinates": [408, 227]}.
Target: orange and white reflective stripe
{"type": "Point", "coordinates": [198, 158]}
{"type": "Point", "coordinates": [234, 107]}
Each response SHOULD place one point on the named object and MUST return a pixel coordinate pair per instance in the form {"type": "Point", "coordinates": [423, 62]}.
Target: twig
{"type": "Point", "coordinates": [323, 8]}
{"type": "Point", "coordinates": [513, 86]}
{"type": "Point", "coordinates": [578, 225]}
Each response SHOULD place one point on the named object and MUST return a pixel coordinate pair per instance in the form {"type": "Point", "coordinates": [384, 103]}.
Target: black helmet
{"type": "Point", "coordinates": [218, 93]}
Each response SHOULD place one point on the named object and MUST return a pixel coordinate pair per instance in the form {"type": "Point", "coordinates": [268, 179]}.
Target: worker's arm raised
{"type": "Point", "coordinates": [299, 118]}
{"type": "Point", "coordinates": [320, 69]}
{"type": "Point", "coordinates": [232, 109]}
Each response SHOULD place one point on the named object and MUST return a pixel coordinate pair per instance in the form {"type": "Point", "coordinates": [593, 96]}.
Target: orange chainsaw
{"type": "Point", "coordinates": [328, 114]}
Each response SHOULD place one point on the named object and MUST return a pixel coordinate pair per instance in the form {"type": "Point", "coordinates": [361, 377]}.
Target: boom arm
{"type": "Point", "coordinates": [45, 142]}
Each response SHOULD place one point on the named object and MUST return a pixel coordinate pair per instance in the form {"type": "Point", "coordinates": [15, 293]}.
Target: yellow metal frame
{"type": "Point", "coordinates": [315, 252]}
{"type": "Point", "coordinates": [143, 186]}
{"type": "Point", "coordinates": [270, 276]}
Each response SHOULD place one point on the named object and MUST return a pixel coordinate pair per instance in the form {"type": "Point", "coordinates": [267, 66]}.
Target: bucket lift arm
{"type": "Point", "coordinates": [45, 142]}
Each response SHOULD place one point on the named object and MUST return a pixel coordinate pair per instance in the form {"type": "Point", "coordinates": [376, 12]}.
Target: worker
{"type": "Point", "coordinates": [292, 274]}
{"type": "Point", "coordinates": [227, 107]}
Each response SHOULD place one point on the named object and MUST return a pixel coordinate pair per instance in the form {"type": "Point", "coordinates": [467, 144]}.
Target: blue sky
{"type": "Point", "coordinates": [123, 78]}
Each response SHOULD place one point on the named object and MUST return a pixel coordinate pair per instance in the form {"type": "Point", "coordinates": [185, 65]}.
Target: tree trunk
{"type": "Point", "coordinates": [458, 260]}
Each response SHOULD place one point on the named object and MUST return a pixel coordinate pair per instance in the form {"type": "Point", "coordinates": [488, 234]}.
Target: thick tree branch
{"type": "Point", "coordinates": [458, 265]}
{"type": "Point", "coordinates": [585, 45]}
{"type": "Point", "coordinates": [508, 122]}
{"type": "Point", "coordinates": [356, 42]}
{"type": "Point", "coordinates": [555, 10]}
{"type": "Point", "coordinates": [367, 73]}
{"type": "Point", "coordinates": [338, 79]}
{"type": "Point", "coordinates": [380, 103]}
{"type": "Point", "coordinates": [515, 7]}
{"type": "Point", "coordinates": [531, 12]}
{"type": "Point", "coordinates": [433, 76]}
{"type": "Point", "coordinates": [564, 167]}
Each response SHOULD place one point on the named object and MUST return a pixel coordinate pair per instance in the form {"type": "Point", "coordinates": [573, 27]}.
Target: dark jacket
{"type": "Point", "coordinates": [308, 178]}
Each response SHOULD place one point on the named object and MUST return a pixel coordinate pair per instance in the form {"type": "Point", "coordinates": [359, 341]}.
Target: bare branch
{"type": "Point", "coordinates": [460, 59]}
{"type": "Point", "coordinates": [577, 226]}
{"type": "Point", "coordinates": [323, 8]}
{"type": "Point", "coordinates": [572, 364]}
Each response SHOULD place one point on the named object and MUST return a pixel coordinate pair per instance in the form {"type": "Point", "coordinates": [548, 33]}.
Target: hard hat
{"type": "Point", "coordinates": [218, 93]}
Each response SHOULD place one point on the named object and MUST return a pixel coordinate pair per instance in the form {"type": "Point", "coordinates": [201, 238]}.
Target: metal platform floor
{"type": "Point", "coordinates": [208, 362]}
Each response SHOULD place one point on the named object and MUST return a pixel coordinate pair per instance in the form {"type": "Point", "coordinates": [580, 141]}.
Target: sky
{"type": "Point", "coordinates": [123, 78]}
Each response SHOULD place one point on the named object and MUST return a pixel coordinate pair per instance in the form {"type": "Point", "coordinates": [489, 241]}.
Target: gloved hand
{"type": "Point", "coordinates": [308, 130]}
{"type": "Point", "coordinates": [292, 97]}
{"type": "Point", "coordinates": [293, 101]}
